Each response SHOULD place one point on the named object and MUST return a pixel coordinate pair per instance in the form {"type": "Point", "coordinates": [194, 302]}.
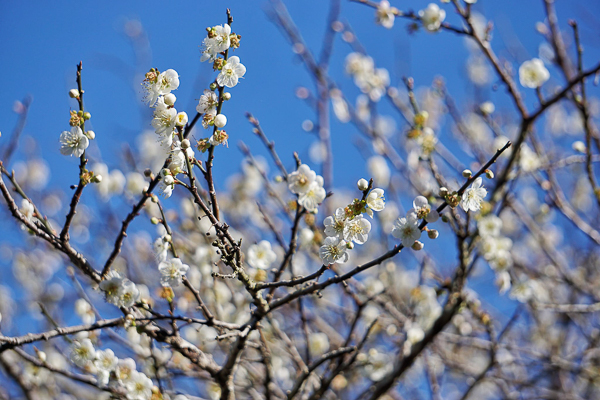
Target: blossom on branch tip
{"type": "Point", "coordinates": [218, 41]}
{"type": "Point", "coordinates": [73, 142]}
{"type": "Point", "coordinates": [533, 73]}
{"type": "Point", "coordinates": [384, 15]}
{"type": "Point", "coordinates": [432, 17]}
{"type": "Point", "coordinates": [473, 196]}
{"type": "Point", "coordinates": [232, 71]}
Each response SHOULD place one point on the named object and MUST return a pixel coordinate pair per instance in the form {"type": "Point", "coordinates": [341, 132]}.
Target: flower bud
{"type": "Point", "coordinates": [97, 178]}
{"type": "Point", "coordinates": [350, 245]}
{"type": "Point", "coordinates": [41, 355]}
{"type": "Point", "coordinates": [154, 198]}
{"type": "Point", "coordinates": [489, 174]}
{"type": "Point", "coordinates": [170, 99]}
{"type": "Point", "coordinates": [73, 93]}
{"type": "Point", "coordinates": [185, 144]}
{"type": "Point", "coordinates": [579, 146]}
{"type": "Point", "coordinates": [87, 115]}
{"type": "Point", "coordinates": [90, 135]}
{"type": "Point", "coordinates": [487, 108]}
{"type": "Point", "coordinates": [467, 173]}
{"type": "Point", "coordinates": [226, 96]}
{"type": "Point", "coordinates": [213, 86]}
{"type": "Point", "coordinates": [445, 218]}
{"type": "Point", "coordinates": [433, 234]}
{"type": "Point", "coordinates": [169, 180]}
{"type": "Point", "coordinates": [417, 245]}
{"type": "Point", "coordinates": [220, 120]}
{"type": "Point", "coordinates": [363, 184]}
{"type": "Point", "coordinates": [443, 192]}
{"type": "Point", "coordinates": [154, 221]}
{"type": "Point", "coordinates": [167, 238]}
{"type": "Point", "coordinates": [181, 119]}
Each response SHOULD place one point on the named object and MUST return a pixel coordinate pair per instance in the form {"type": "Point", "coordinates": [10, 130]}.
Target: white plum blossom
{"type": "Point", "coordinates": [533, 73]}
{"type": "Point", "coordinates": [334, 225]}
{"type": "Point", "coordinates": [217, 42]}
{"type": "Point", "coordinates": [181, 119]}
{"type": "Point", "coordinates": [432, 17]}
{"type": "Point", "coordinates": [167, 81]}
{"type": "Point", "coordinates": [27, 210]}
{"type": "Point", "coordinates": [384, 15]}
{"type": "Point", "coordinates": [473, 196]}
{"type": "Point", "coordinates": [529, 161]}
{"type": "Point", "coordinates": [118, 290]}
{"type": "Point", "coordinates": [489, 225]}
{"type": "Point", "coordinates": [167, 184]}
{"type": "Point", "coordinates": [172, 271]}
{"type": "Point", "coordinates": [73, 142]}
{"type": "Point", "coordinates": [105, 363]}
{"type": "Point", "coordinates": [372, 81]}
{"type": "Point", "coordinates": [375, 201]}
{"type": "Point", "coordinates": [261, 255]}
{"type": "Point", "coordinates": [84, 310]}
{"type": "Point", "coordinates": [427, 309]}
{"type": "Point", "coordinates": [300, 180]}
{"type": "Point", "coordinates": [231, 72]}
{"type": "Point", "coordinates": [164, 121]}
{"type": "Point", "coordinates": [208, 102]}
{"type": "Point", "coordinates": [407, 230]}
{"type": "Point", "coordinates": [357, 230]}
{"type": "Point", "coordinates": [220, 120]}
{"type": "Point", "coordinates": [130, 294]}
{"type": "Point", "coordinates": [358, 64]}
{"type": "Point", "coordinates": [169, 99]}
{"type": "Point", "coordinates": [139, 386]}
{"type": "Point", "coordinates": [82, 353]}
{"type": "Point", "coordinates": [314, 195]}
{"type": "Point", "coordinates": [161, 248]}
{"type": "Point", "coordinates": [333, 251]}
{"type": "Point", "coordinates": [124, 370]}
{"type": "Point", "coordinates": [503, 281]}
{"type": "Point", "coordinates": [422, 210]}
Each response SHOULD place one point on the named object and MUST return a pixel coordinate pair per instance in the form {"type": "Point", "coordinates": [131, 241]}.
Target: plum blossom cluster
{"type": "Point", "coordinates": [75, 141]}
{"type": "Point", "coordinates": [370, 80]}
{"type": "Point", "coordinates": [112, 371]}
{"type": "Point", "coordinates": [308, 186]}
{"type": "Point", "coordinates": [215, 48]}
{"type": "Point", "coordinates": [407, 228]}
{"type": "Point", "coordinates": [119, 291]}
{"type": "Point", "coordinates": [348, 225]}
{"type": "Point", "coordinates": [495, 248]}
{"type": "Point", "coordinates": [168, 124]}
